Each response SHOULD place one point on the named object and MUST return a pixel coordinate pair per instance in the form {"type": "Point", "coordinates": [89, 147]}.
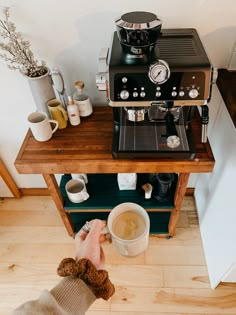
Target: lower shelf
{"type": "Point", "coordinates": [105, 194]}
{"type": "Point", "coordinates": [158, 220]}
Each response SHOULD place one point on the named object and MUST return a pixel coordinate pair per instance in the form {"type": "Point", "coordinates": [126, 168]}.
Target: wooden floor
{"type": "Point", "coordinates": [170, 278]}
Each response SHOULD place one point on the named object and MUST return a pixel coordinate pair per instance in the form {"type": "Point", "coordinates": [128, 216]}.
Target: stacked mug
{"type": "Point", "coordinates": [76, 188]}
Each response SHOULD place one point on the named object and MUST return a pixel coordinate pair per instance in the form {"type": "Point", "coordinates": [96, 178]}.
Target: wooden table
{"type": "Point", "coordinates": [87, 149]}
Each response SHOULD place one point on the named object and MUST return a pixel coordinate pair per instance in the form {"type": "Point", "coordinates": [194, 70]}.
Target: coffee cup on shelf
{"type": "Point", "coordinates": [41, 127]}
{"type": "Point", "coordinates": [84, 177]}
{"type": "Point", "coordinates": [76, 190]}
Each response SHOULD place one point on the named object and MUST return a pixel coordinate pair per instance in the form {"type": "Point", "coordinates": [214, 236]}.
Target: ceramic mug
{"type": "Point", "coordinates": [40, 126]}
{"type": "Point", "coordinates": [58, 112]}
{"type": "Point", "coordinates": [76, 190]}
{"type": "Point", "coordinates": [129, 226]}
{"type": "Point", "coordinates": [84, 177]}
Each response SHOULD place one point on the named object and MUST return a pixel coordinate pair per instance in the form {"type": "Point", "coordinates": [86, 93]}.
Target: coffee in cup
{"type": "Point", "coordinates": [129, 225]}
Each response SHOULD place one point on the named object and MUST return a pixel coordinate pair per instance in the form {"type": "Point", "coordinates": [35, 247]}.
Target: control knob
{"type": "Point", "coordinates": [193, 93]}
{"type": "Point", "coordinates": [124, 94]}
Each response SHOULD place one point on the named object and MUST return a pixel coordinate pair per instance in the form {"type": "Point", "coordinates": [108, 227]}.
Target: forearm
{"type": "Point", "coordinates": [81, 286]}
{"type": "Point", "coordinates": [71, 296]}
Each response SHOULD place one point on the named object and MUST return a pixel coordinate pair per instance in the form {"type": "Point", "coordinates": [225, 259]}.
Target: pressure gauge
{"type": "Point", "coordinates": [159, 72]}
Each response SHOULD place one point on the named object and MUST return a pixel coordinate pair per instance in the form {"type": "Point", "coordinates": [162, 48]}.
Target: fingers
{"type": "Point", "coordinates": [102, 258]}
{"type": "Point", "coordinates": [102, 238]}
{"type": "Point", "coordinates": [96, 227]}
{"type": "Point", "coordinates": [81, 235]}
{"type": "Point", "coordinates": [95, 232]}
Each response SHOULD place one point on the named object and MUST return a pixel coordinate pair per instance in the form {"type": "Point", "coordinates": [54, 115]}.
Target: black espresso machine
{"type": "Point", "coordinates": [154, 79]}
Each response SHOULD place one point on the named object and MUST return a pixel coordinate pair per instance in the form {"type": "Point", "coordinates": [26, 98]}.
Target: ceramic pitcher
{"type": "Point", "coordinates": [42, 88]}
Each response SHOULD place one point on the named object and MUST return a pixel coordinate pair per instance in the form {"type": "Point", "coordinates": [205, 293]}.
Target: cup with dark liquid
{"type": "Point", "coordinates": [76, 190]}
{"type": "Point", "coordinates": [129, 226]}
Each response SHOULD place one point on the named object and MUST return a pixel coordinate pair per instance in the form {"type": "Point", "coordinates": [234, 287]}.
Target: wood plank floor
{"type": "Point", "coordinates": [169, 278]}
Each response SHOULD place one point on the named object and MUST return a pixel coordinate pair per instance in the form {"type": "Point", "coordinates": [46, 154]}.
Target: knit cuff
{"type": "Point", "coordinates": [98, 280]}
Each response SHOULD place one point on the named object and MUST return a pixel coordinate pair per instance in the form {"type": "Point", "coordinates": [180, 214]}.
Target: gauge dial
{"type": "Point", "coordinates": [159, 72]}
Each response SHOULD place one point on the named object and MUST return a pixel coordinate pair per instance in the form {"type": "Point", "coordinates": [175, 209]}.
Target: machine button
{"type": "Point", "coordinates": [124, 79]}
{"type": "Point", "coordinates": [158, 94]}
{"type": "Point", "coordinates": [135, 94]}
{"type": "Point", "coordinates": [124, 94]}
{"type": "Point", "coordinates": [193, 93]}
{"type": "Point", "coordinates": [181, 93]}
{"type": "Point", "coordinates": [142, 94]}
{"type": "Point", "coordinates": [173, 93]}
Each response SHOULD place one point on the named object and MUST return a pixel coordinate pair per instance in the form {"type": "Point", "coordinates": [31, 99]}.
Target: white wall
{"type": "Point", "coordinates": [69, 35]}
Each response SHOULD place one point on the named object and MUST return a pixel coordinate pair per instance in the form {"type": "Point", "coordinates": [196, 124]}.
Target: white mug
{"type": "Point", "coordinates": [84, 177]}
{"type": "Point", "coordinates": [41, 127]}
{"type": "Point", "coordinates": [129, 226]}
{"type": "Point", "coordinates": [76, 190]}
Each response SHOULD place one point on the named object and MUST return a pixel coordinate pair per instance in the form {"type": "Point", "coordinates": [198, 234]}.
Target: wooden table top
{"type": "Point", "coordinates": [86, 148]}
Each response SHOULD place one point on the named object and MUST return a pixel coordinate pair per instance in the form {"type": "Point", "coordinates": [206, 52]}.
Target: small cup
{"type": "Point", "coordinates": [41, 127]}
{"type": "Point", "coordinates": [84, 177]}
{"type": "Point", "coordinates": [58, 112]}
{"type": "Point", "coordinates": [129, 226]}
{"type": "Point", "coordinates": [76, 190]}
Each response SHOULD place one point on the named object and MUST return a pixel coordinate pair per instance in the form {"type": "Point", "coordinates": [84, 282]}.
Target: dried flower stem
{"type": "Point", "coordinates": [18, 54]}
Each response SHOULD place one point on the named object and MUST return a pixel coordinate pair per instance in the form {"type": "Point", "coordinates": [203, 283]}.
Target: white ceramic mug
{"type": "Point", "coordinates": [129, 226]}
{"type": "Point", "coordinates": [76, 190]}
{"type": "Point", "coordinates": [84, 177]}
{"type": "Point", "coordinates": [40, 126]}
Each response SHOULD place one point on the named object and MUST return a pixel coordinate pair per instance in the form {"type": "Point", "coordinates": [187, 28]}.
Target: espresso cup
{"type": "Point", "coordinates": [41, 127]}
{"type": "Point", "coordinates": [76, 190]}
{"type": "Point", "coordinates": [58, 112]}
{"type": "Point", "coordinates": [129, 226]}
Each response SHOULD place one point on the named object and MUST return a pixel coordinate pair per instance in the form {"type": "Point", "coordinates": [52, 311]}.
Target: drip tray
{"type": "Point", "coordinates": [135, 140]}
{"type": "Point", "coordinates": [150, 138]}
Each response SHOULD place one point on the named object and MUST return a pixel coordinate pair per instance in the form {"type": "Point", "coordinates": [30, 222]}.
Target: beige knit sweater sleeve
{"type": "Point", "coordinates": [71, 296]}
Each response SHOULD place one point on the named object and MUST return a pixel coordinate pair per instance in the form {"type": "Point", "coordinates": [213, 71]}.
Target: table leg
{"type": "Point", "coordinates": [6, 176]}
{"type": "Point", "coordinates": [179, 195]}
{"type": "Point", "coordinates": [57, 197]}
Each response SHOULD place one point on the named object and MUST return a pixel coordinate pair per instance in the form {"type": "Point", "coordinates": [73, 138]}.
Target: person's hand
{"type": "Point", "coordinates": [88, 244]}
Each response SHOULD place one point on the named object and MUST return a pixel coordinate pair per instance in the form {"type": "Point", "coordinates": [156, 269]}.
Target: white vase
{"type": "Point", "coordinates": [42, 91]}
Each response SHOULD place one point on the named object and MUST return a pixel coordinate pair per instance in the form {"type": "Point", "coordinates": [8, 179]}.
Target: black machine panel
{"type": "Point", "coordinates": [140, 88]}
{"type": "Point", "coordinates": [190, 70]}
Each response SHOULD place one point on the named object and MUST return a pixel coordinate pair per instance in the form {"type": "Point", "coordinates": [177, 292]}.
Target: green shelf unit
{"type": "Point", "coordinates": [105, 194]}
{"type": "Point", "coordinates": [158, 220]}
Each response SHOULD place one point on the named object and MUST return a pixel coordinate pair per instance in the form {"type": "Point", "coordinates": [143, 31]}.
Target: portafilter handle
{"type": "Point", "coordinates": [173, 141]}
{"type": "Point", "coordinates": [170, 125]}
{"type": "Point", "coordinates": [205, 121]}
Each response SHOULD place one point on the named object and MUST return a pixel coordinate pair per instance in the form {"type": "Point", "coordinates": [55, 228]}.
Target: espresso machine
{"type": "Point", "coordinates": [154, 79]}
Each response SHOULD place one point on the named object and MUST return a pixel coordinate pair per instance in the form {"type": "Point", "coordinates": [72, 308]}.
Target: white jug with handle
{"type": "Point", "coordinates": [42, 89]}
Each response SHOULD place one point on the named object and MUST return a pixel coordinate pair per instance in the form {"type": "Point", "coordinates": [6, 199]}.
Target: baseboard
{"type": "Point", "coordinates": [34, 192]}
{"type": "Point", "coordinates": [45, 192]}
{"type": "Point", "coordinates": [189, 191]}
